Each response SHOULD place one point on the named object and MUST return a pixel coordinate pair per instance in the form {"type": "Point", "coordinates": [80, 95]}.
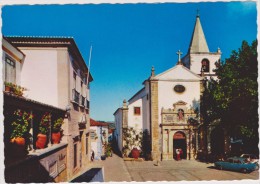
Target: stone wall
{"type": "Point", "coordinates": [155, 136]}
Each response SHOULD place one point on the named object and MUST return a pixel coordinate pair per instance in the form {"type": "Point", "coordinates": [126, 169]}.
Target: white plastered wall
{"type": "Point", "coordinates": [39, 75]}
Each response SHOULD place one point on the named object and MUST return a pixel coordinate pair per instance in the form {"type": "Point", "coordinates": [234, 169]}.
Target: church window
{"type": "Point", "coordinates": [179, 88]}
{"type": "Point", "coordinates": [205, 65]}
{"type": "Point", "coordinates": [137, 111]}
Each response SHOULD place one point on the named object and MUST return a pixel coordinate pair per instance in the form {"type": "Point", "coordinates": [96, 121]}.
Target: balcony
{"type": "Point", "coordinates": [75, 96]}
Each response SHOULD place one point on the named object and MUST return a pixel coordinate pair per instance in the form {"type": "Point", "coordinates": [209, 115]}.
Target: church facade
{"type": "Point", "coordinates": [168, 105]}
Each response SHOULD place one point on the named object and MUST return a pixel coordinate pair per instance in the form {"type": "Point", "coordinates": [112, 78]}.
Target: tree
{"type": "Point", "coordinates": [234, 96]}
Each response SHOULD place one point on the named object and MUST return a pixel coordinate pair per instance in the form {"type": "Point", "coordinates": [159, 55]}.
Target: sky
{"type": "Point", "coordinates": [128, 39]}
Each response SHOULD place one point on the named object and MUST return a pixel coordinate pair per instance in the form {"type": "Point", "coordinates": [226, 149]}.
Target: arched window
{"type": "Point", "coordinates": [205, 65]}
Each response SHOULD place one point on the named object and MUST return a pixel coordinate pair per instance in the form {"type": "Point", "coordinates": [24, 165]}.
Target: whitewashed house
{"type": "Point", "coordinates": [99, 138]}
{"type": "Point", "coordinates": [168, 105]}
{"type": "Point", "coordinates": [55, 73]}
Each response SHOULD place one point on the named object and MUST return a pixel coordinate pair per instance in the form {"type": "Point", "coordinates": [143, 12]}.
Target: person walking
{"type": "Point", "coordinates": [181, 154]}
{"type": "Point", "coordinates": [178, 154]}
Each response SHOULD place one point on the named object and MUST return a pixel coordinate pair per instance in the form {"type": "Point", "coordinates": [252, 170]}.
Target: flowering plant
{"type": "Point", "coordinates": [8, 84]}
{"type": "Point", "coordinates": [57, 125]}
{"type": "Point", "coordinates": [44, 126]}
{"type": "Point", "coordinates": [21, 123]}
{"type": "Point", "coordinates": [15, 89]}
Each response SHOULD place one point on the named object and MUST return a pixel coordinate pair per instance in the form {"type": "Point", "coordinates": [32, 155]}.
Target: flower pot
{"type": "Point", "coordinates": [18, 147]}
{"type": "Point", "coordinates": [103, 157]}
{"type": "Point", "coordinates": [41, 141]}
{"type": "Point", "coordinates": [55, 137]}
{"type": "Point", "coordinates": [135, 153]}
{"type": "Point", "coordinates": [7, 88]}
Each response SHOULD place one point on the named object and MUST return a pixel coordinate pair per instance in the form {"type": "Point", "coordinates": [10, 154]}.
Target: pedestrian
{"type": "Point", "coordinates": [178, 154]}
{"type": "Point", "coordinates": [181, 154]}
{"type": "Point", "coordinates": [92, 155]}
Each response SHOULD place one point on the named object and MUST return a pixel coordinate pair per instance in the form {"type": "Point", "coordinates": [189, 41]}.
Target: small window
{"type": "Point", "coordinates": [10, 73]}
{"type": "Point", "coordinates": [75, 155]}
{"type": "Point", "coordinates": [87, 143]}
{"type": "Point", "coordinates": [205, 65]}
{"type": "Point", "coordinates": [137, 110]}
{"type": "Point", "coordinates": [74, 79]}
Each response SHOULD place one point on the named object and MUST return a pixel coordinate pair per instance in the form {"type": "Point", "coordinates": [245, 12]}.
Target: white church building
{"type": "Point", "coordinates": [168, 105]}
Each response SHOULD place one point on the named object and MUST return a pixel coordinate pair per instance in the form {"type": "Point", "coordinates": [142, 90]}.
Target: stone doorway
{"type": "Point", "coordinates": [179, 142]}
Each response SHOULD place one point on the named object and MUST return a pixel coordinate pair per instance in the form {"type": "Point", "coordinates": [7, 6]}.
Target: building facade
{"type": "Point", "coordinates": [169, 104]}
{"type": "Point", "coordinates": [99, 138]}
{"type": "Point", "coordinates": [55, 74]}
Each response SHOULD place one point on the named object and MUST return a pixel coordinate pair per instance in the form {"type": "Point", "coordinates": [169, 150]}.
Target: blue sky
{"type": "Point", "coordinates": [128, 39]}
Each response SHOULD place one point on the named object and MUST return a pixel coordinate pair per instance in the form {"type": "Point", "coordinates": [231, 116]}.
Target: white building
{"type": "Point", "coordinates": [99, 137]}
{"type": "Point", "coordinates": [55, 73]}
{"type": "Point", "coordinates": [169, 104]}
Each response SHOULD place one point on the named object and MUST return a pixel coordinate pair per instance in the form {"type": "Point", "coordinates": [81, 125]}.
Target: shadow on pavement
{"type": "Point", "coordinates": [87, 176]}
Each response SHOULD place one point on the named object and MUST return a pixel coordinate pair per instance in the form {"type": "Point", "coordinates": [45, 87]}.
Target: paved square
{"type": "Point", "coordinates": [184, 170]}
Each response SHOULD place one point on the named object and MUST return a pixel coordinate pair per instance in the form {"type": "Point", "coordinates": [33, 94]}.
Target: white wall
{"type": "Point", "coordinates": [39, 75]}
{"type": "Point", "coordinates": [167, 96]}
{"type": "Point", "coordinates": [195, 64]}
{"type": "Point", "coordinates": [136, 121]}
{"type": "Point", "coordinates": [118, 123]}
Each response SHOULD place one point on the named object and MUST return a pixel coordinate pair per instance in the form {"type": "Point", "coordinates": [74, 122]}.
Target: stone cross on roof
{"type": "Point", "coordinates": [198, 12]}
{"type": "Point", "coordinates": [179, 53]}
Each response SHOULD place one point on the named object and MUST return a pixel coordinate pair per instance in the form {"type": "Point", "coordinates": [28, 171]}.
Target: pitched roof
{"type": "Point", "coordinates": [198, 41]}
{"type": "Point", "coordinates": [178, 72]}
{"type": "Point", "coordinates": [96, 123]}
{"type": "Point", "coordinates": [50, 41]}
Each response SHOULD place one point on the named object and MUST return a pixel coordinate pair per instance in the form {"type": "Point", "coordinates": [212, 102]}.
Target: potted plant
{"type": "Point", "coordinates": [18, 90]}
{"type": "Point", "coordinates": [135, 153]}
{"type": "Point", "coordinates": [108, 149]}
{"type": "Point", "coordinates": [20, 129]}
{"type": "Point", "coordinates": [8, 86]}
{"type": "Point", "coordinates": [56, 131]}
{"type": "Point", "coordinates": [44, 128]}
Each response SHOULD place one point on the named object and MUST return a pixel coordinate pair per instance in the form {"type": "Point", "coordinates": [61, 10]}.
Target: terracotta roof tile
{"type": "Point", "coordinates": [96, 123]}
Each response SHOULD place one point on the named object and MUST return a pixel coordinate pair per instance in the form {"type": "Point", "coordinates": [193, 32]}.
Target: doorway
{"type": "Point", "coordinates": [179, 142]}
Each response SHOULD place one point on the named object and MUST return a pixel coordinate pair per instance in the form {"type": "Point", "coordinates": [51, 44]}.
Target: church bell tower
{"type": "Point", "coordinates": [199, 59]}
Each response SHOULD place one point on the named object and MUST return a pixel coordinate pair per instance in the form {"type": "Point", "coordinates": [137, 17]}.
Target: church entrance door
{"type": "Point", "coordinates": [179, 142]}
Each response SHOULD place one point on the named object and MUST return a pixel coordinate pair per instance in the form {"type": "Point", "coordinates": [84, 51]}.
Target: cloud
{"type": "Point", "coordinates": [241, 8]}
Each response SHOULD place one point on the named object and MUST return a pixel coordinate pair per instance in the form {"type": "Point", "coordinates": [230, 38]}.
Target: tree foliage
{"type": "Point", "coordinates": [232, 100]}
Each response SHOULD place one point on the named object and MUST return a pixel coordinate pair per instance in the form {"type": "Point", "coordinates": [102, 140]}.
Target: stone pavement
{"type": "Point", "coordinates": [184, 170]}
{"type": "Point", "coordinates": [114, 169]}
{"type": "Point", "coordinates": [117, 170]}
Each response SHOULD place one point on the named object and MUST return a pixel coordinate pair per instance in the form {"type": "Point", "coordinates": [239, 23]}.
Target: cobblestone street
{"type": "Point", "coordinates": [115, 169]}
{"type": "Point", "coordinates": [186, 170]}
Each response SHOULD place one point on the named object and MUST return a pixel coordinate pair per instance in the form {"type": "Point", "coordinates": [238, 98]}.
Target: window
{"type": "Point", "coordinates": [81, 85]}
{"type": "Point", "coordinates": [74, 79]}
{"type": "Point", "coordinates": [87, 144]}
{"type": "Point", "coordinates": [179, 88]}
{"type": "Point", "coordinates": [137, 110]}
{"type": "Point", "coordinates": [75, 155]}
{"type": "Point", "coordinates": [10, 73]}
{"type": "Point", "coordinates": [205, 65]}
{"type": "Point", "coordinates": [87, 104]}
